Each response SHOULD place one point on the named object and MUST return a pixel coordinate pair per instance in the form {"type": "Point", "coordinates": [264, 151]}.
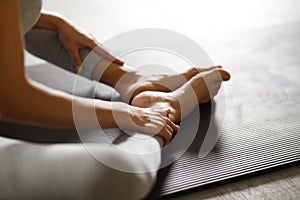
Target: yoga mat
{"type": "Point", "coordinates": [261, 130]}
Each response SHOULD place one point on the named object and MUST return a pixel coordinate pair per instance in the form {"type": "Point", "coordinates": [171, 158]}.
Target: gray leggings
{"type": "Point", "coordinates": [46, 45]}
{"type": "Point", "coordinates": [68, 171]}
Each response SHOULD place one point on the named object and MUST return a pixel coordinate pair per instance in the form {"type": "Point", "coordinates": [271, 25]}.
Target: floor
{"type": "Point", "coordinates": [199, 20]}
{"type": "Point", "coordinates": [278, 185]}
{"type": "Point", "coordinates": [207, 23]}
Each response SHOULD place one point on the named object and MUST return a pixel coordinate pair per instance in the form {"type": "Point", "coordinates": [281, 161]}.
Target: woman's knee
{"type": "Point", "coordinates": [117, 184]}
{"type": "Point", "coordinates": [44, 44]}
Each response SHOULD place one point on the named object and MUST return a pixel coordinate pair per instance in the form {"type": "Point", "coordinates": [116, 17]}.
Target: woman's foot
{"type": "Point", "coordinates": [131, 85]}
{"type": "Point", "coordinates": [199, 89]}
{"type": "Point", "coordinates": [128, 82]}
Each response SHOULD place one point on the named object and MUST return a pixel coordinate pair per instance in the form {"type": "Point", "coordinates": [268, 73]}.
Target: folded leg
{"type": "Point", "coordinates": [69, 171]}
{"type": "Point", "coordinates": [46, 45]}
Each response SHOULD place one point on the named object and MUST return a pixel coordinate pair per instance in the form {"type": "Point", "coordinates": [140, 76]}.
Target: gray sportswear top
{"type": "Point", "coordinates": [29, 13]}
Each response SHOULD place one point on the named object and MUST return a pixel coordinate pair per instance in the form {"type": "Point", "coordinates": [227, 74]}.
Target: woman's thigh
{"type": "Point", "coordinates": [46, 45]}
{"type": "Point", "coordinates": [60, 171]}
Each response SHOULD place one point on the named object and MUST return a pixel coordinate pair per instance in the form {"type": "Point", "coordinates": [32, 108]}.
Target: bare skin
{"type": "Point", "coordinates": [44, 100]}
{"type": "Point", "coordinates": [111, 70]}
{"type": "Point", "coordinates": [199, 89]}
{"type": "Point", "coordinates": [73, 37]}
{"type": "Point", "coordinates": [43, 106]}
{"type": "Point", "coordinates": [129, 82]}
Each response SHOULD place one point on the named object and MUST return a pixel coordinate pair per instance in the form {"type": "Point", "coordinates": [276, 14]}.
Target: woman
{"type": "Point", "coordinates": [68, 171]}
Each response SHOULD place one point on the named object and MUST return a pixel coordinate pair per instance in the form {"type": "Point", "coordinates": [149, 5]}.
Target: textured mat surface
{"type": "Point", "coordinates": [262, 124]}
{"type": "Point", "coordinates": [243, 148]}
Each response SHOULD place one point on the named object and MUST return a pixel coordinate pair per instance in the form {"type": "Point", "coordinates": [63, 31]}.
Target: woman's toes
{"type": "Point", "coordinates": [209, 68]}
{"type": "Point", "coordinates": [225, 74]}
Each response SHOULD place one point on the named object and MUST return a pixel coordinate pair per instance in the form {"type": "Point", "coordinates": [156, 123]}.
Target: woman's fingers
{"type": "Point", "coordinates": [165, 113]}
{"type": "Point", "coordinates": [168, 130]}
{"type": "Point", "coordinates": [225, 75]}
{"type": "Point", "coordinates": [155, 121]}
{"type": "Point", "coordinates": [174, 126]}
{"type": "Point", "coordinates": [73, 39]}
{"type": "Point", "coordinates": [167, 134]}
{"type": "Point", "coordinates": [93, 44]}
{"type": "Point", "coordinates": [76, 59]}
{"type": "Point", "coordinates": [106, 54]}
{"type": "Point", "coordinates": [209, 68]}
{"type": "Point", "coordinates": [161, 111]}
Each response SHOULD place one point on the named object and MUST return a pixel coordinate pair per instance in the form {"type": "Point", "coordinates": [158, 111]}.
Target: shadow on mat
{"type": "Point", "coordinates": [38, 134]}
{"type": "Point", "coordinates": [207, 120]}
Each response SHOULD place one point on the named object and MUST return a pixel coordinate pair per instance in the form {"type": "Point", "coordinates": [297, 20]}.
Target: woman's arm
{"type": "Point", "coordinates": [49, 21]}
{"type": "Point", "coordinates": [72, 37]}
{"type": "Point", "coordinates": [29, 102]}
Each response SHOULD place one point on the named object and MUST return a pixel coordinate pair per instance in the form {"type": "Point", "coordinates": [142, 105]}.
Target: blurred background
{"type": "Point", "coordinates": [257, 37]}
{"type": "Point", "coordinates": [201, 20]}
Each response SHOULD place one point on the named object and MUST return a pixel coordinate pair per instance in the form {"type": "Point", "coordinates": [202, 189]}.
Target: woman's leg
{"type": "Point", "coordinates": [127, 81]}
{"type": "Point", "coordinates": [46, 45]}
{"type": "Point", "coordinates": [68, 171]}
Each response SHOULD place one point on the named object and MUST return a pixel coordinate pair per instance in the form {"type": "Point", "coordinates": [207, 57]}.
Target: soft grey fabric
{"type": "Point", "coordinates": [45, 44]}
{"type": "Point", "coordinates": [69, 171]}
{"type": "Point", "coordinates": [71, 83]}
{"type": "Point", "coordinates": [29, 13]}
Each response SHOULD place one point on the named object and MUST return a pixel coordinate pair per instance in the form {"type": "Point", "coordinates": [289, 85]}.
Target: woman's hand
{"type": "Point", "coordinates": [74, 39]}
{"type": "Point", "coordinates": [151, 121]}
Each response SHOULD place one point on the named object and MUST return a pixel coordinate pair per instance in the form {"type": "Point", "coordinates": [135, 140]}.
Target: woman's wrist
{"type": "Point", "coordinates": [122, 113]}
{"type": "Point", "coordinates": [112, 114]}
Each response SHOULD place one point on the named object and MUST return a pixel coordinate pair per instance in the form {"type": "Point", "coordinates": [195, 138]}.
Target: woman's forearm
{"type": "Point", "coordinates": [26, 101]}
{"type": "Point", "coordinates": [40, 105]}
{"type": "Point", "coordinates": [49, 21]}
